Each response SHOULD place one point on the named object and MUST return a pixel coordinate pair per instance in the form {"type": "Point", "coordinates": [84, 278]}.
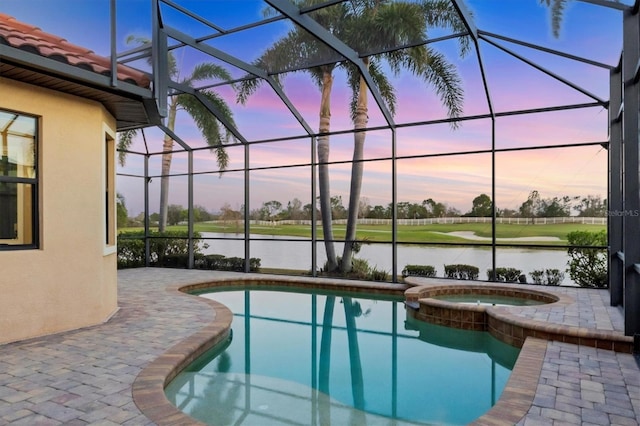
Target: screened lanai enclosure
{"type": "Point", "coordinates": [335, 137]}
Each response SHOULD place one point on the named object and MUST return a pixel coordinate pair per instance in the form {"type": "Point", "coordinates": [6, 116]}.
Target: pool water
{"type": "Point", "coordinates": [488, 300]}
{"type": "Point", "coordinates": [307, 359]}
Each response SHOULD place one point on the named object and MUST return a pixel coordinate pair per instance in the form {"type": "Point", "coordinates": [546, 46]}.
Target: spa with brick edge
{"type": "Point", "coordinates": [506, 323]}
{"type": "Point", "coordinates": [115, 373]}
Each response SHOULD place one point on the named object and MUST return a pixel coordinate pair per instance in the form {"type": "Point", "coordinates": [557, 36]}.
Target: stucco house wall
{"type": "Point", "coordinates": [70, 280]}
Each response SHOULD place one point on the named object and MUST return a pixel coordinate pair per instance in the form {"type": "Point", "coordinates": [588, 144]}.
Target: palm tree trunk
{"type": "Point", "coordinates": [325, 361]}
{"type": "Point", "coordinates": [167, 147]}
{"type": "Point", "coordinates": [360, 122]}
{"type": "Point", "coordinates": [355, 363]}
{"type": "Point", "coordinates": [323, 169]}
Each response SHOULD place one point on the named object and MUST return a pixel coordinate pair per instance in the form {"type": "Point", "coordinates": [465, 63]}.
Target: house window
{"type": "Point", "coordinates": [109, 191]}
{"type": "Point", "coordinates": [18, 181]}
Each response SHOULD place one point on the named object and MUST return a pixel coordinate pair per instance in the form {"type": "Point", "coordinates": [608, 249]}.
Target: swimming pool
{"type": "Point", "coordinates": [305, 358]}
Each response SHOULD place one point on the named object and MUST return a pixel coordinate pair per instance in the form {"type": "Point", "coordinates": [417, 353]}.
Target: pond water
{"type": "Point", "coordinates": [278, 252]}
{"type": "Point", "coordinates": [305, 358]}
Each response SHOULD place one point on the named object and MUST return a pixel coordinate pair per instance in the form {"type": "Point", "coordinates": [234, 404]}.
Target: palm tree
{"type": "Point", "coordinates": [295, 51]}
{"type": "Point", "coordinates": [211, 129]}
{"type": "Point", "coordinates": [379, 25]}
{"type": "Point", "coordinates": [366, 26]}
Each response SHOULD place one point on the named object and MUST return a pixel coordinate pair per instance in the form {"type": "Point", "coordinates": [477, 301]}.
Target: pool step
{"type": "Point", "coordinates": [412, 304]}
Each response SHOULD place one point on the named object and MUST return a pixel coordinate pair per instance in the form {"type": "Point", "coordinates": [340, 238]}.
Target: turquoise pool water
{"type": "Point", "coordinates": [488, 300]}
{"type": "Point", "coordinates": [316, 359]}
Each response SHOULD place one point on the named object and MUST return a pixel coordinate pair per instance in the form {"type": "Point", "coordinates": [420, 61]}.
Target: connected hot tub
{"type": "Point", "coordinates": [476, 307]}
{"type": "Point", "coordinates": [480, 299]}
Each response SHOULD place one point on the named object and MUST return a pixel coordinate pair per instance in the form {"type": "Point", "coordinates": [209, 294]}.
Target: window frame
{"type": "Point", "coordinates": [109, 188]}
{"type": "Point", "coordinates": [33, 182]}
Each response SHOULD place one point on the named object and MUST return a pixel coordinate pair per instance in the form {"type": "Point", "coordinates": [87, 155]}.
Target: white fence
{"type": "Point", "coordinates": [443, 220]}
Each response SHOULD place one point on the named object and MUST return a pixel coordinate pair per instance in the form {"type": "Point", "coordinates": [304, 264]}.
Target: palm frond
{"type": "Point", "coordinates": [382, 82]}
{"type": "Point", "coordinates": [294, 52]}
{"type": "Point", "coordinates": [557, 13]}
{"type": "Point", "coordinates": [397, 23]}
{"type": "Point", "coordinates": [246, 88]}
{"type": "Point", "coordinates": [386, 89]}
{"type": "Point", "coordinates": [207, 71]}
{"type": "Point", "coordinates": [443, 76]}
{"type": "Point", "coordinates": [215, 134]}
{"type": "Point", "coordinates": [353, 81]}
{"type": "Point", "coordinates": [277, 57]}
{"type": "Point", "coordinates": [442, 14]}
{"type": "Point", "coordinates": [125, 139]}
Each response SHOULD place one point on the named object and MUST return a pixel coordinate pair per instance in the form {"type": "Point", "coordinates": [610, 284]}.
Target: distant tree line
{"type": "Point", "coordinates": [536, 206]}
{"type": "Point", "coordinates": [533, 207]}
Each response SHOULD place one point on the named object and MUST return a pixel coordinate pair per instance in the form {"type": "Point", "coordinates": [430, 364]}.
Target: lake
{"type": "Point", "coordinates": [295, 253]}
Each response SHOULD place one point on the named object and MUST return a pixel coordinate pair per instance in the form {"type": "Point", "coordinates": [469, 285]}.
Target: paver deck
{"type": "Point", "coordinates": [86, 376]}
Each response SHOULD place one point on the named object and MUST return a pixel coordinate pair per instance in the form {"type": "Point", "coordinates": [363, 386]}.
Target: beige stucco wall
{"type": "Point", "coordinates": [71, 280]}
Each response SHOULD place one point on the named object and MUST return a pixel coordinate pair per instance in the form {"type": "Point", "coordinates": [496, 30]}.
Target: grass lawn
{"type": "Point", "coordinates": [435, 233]}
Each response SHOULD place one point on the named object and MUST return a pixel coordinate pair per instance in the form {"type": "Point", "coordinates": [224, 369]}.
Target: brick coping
{"type": "Point", "coordinates": [503, 322]}
{"type": "Point", "coordinates": [422, 292]}
{"type": "Point", "coordinates": [520, 390]}
{"type": "Point", "coordinates": [148, 388]}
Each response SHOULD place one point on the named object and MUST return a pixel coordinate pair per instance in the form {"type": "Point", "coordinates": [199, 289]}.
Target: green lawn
{"type": "Point", "coordinates": [418, 234]}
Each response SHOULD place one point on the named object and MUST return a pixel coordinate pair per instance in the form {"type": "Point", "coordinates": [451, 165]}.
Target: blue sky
{"type": "Point", "coordinates": [588, 30]}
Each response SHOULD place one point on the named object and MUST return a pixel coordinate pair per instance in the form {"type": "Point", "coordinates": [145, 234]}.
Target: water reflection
{"type": "Point", "coordinates": [217, 395]}
{"type": "Point", "coordinates": [296, 255]}
{"type": "Point", "coordinates": [301, 359]}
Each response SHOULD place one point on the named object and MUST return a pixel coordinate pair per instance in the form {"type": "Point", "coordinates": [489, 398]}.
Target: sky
{"type": "Point", "coordinates": [588, 31]}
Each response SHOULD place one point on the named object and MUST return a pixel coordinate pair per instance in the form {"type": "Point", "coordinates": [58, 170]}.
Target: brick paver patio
{"type": "Point", "coordinates": [86, 376]}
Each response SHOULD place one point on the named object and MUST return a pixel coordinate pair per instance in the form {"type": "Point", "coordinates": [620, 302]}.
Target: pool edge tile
{"type": "Point", "coordinates": [520, 390]}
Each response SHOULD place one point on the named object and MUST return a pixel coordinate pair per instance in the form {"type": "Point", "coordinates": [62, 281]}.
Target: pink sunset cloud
{"type": "Point", "coordinates": [454, 179]}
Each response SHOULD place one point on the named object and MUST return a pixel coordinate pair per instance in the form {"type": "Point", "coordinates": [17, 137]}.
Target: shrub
{"type": "Point", "coordinates": [210, 261]}
{"type": "Point", "coordinates": [510, 275]}
{"type": "Point", "coordinates": [419, 271]}
{"type": "Point", "coordinates": [360, 270]}
{"type": "Point", "coordinates": [218, 262]}
{"type": "Point", "coordinates": [176, 261]}
{"type": "Point", "coordinates": [162, 245]}
{"type": "Point", "coordinates": [254, 264]}
{"type": "Point", "coordinates": [588, 266]}
{"type": "Point", "coordinates": [461, 272]}
{"type": "Point", "coordinates": [234, 264]}
{"type": "Point", "coordinates": [171, 249]}
{"type": "Point", "coordinates": [537, 276]}
{"type": "Point", "coordinates": [547, 276]}
{"type": "Point", "coordinates": [130, 251]}
{"type": "Point", "coordinates": [554, 276]}
{"type": "Point", "coordinates": [378, 274]}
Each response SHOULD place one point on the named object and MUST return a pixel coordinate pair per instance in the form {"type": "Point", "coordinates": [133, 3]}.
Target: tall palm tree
{"type": "Point", "coordinates": [215, 134]}
{"type": "Point", "coordinates": [366, 26]}
{"type": "Point", "coordinates": [295, 51]}
{"type": "Point", "coordinates": [382, 25]}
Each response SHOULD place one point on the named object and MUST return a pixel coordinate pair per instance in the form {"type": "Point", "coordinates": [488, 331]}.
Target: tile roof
{"type": "Point", "coordinates": [32, 39]}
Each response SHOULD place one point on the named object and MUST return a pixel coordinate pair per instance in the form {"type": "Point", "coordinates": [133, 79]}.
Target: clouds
{"type": "Point", "coordinates": [588, 31]}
